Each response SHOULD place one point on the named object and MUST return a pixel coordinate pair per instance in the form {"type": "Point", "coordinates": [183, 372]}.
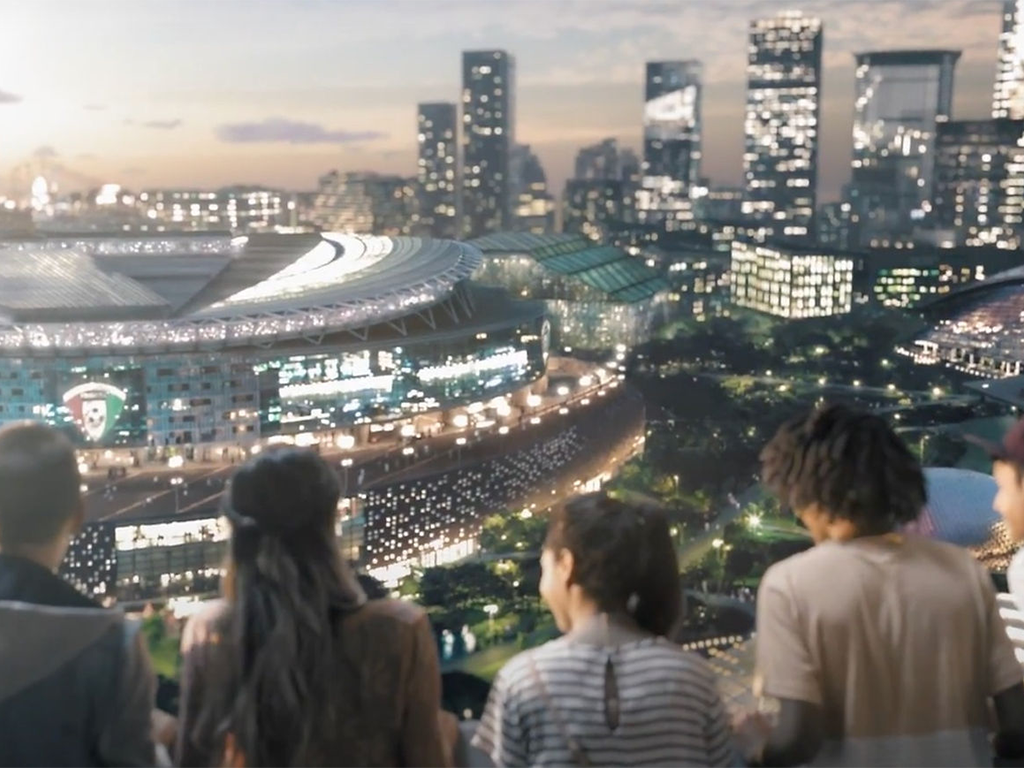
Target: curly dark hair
{"type": "Point", "coordinates": [850, 463]}
{"type": "Point", "coordinates": [623, 556]}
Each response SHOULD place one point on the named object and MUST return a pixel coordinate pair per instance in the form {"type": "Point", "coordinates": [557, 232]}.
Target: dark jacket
{"type": "Point", "coordinates": [76, 685]}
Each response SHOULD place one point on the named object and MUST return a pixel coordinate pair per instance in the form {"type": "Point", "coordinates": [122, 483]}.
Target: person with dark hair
{"type": "Point", "coordinates": [613, 690]}
{"type": "Point", "coordinates": [76, 685]}
{"type": "Point", "coordinates": [880, 648]}
{"type": "Point", "coordinates": [295, 666]}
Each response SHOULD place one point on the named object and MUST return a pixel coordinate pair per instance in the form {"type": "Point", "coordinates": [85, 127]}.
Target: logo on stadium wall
{"type": "Point", "coordinates": [95, 408]}
{"type": "Point", "coordinates": [545, 340]}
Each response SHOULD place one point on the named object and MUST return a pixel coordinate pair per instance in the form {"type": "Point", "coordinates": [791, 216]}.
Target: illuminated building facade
{"type": "Point", "coordinates": [597, 296]}
{"type": "Point", "coordinates": [979, 191]}
{"type": "Point", "coordinates": [437, 174]}
{"type": "Point", "coordinates": [902, 98]}
{"type": "Point", "coordinates": [488, 124]}
{"type": "Point", "coordinates": [780, 159]}
{"type": "Point", "coordinates": [1008, 96]}
{"type": "Point", "coordinates": [534, 207]}
{"type": "Point", "coordinates": [791, 283]}
{"type": "Point", "coordinates": [147, 343]}
{"type": "Point", "coordinates": [237, 209]}
{"type": "Point", "coordinates": [672, 142]}
{"type": "Point", "coordinates": [365, 203]}
{"type": "Point", "coordinates": [912, 277]}
{"type": "Point", "coordinates": [591, 207]}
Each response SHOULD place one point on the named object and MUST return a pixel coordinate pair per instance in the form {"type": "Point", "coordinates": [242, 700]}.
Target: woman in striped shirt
{"type": "Point", "coordinates": [612, 690]}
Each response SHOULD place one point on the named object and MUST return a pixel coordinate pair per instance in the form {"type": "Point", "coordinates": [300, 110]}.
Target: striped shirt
{"type": "Point", "coordinates": [667, 710]}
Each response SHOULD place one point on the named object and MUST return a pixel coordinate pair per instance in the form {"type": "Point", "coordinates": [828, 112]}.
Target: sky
{"type": "Point", "coordinates": [203, 93]}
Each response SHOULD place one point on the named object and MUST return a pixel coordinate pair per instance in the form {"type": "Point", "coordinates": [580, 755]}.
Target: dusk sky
{"type": "Point", "coordinates": [202, 93]}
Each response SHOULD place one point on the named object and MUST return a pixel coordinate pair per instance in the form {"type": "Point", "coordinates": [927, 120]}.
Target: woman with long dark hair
{"type": "Point", "coordinates": [612, 690]}
{"type": "Point", "coordinates": [295, 666]}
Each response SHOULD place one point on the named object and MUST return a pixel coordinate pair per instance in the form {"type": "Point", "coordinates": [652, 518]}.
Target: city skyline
{"type": "Point", "coordinates": [147, 97]}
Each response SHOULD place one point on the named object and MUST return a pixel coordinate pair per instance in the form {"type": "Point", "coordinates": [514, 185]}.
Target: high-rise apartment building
{"type": "Point", "coordinates": [979, 187]}
{"type": "Point", "coordinates": [901, 97]}
{"type": "Point", "coordinates": [672, 142]}
{"type": "Point", "coordinates": [534, 207]}
{"type": "Point", "coordinates": [780, 158]}
{"type": "Point", "coordinates": [1008, 97]}
{"type": "Point", "coordinates": [437, 172]}
{"type": "Point", "coordinates": [488, 123]}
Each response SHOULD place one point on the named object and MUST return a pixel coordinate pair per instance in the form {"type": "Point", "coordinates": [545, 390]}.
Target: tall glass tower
{"type": "Point", "coordinates": [901, 96]}
{"type": "Point", "coordinates": [488, 123]}
{"type": "Point", "coordinates": [672, 139]}
{"type": "Point", "coordinates": [437, 171]}
{"type": "Point", "coordinates": [1008, 97]}
{"type": "Point", "coordinates": [780, 159]}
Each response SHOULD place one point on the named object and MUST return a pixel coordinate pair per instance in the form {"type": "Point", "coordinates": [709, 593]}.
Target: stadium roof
{"type": "Point", "coordinates": [605, 268]}
{"type": "Point", "coordinates": [113, 293]}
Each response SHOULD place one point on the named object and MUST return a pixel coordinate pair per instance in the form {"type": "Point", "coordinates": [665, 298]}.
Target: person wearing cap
{"type": "Point", "coordinates": [1008, 472]}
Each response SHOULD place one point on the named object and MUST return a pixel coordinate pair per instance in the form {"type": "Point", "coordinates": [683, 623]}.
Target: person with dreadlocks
{"type": "Point", "coordinates": [880, 648]}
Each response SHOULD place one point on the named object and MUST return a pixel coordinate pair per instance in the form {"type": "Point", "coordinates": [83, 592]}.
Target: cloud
{"type": "Point", "coordinates": [283, 131]}
{"type": "Point", "coordinates": [133, 171]}
{"type": "Point", "coordinates": [45, 152]}
{"type": "Point", "coordinates": [6, 97]}
{"type": "Point", "coordinates": [94, 107]}
{"type": "Point", "coordinates": [162, 125]}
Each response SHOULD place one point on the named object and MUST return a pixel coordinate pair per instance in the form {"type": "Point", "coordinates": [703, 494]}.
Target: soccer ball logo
{"type": "Point", "coordinates": [95, 408]}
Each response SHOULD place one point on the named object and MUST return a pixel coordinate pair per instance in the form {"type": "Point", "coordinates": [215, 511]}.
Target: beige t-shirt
{"type": "Point", "coordinates": [900, 642]}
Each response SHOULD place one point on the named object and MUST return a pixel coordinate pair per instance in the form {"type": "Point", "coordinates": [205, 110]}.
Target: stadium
{"type": "Point", "coordinates": [169, 358]}
{"type": "Point", "coordinates": [978, 330]}
{"type": "Point", "coordinates": [189, 343]}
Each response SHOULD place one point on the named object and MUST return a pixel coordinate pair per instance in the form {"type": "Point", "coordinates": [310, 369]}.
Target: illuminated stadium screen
{"type": "Point", "coordinates": [99, 409]}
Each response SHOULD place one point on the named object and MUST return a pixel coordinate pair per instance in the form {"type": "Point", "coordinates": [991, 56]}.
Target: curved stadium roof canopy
{"type": "Point", "coordinates": [261, 289]}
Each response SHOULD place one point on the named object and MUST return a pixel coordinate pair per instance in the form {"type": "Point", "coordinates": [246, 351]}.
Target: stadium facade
{"type": "Point", "coordinates": [151, 342]}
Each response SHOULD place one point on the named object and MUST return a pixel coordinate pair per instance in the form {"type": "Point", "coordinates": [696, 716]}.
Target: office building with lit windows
{"type": "Point", "coordinates": [791, 282]}
{"type": "Point", "coordinates": [593, 207]}
{"type": "Point", "coordinates": [362, 203]}
{"type": "Point", "coordinates": [488, 124]}
{"type": "Point", "coordinates": [1008, 95]}
{"type": "Point", "coordinates": [979, 189]}
{"type": "Point", "coordinates": [780, 159]}
{"type": "Point", "coordinates": [672, 142]}
{"type": "Point", "coordinates": [534, 207]}
{"type": "Point", "coordinates": [838, 226]}
{"type": "Point", "coordinates": [902, 98]}
{"type": "Point", "coordinates": [237, 209]}
{"type": "Point", "coordinates": [599, 161]}
{"type": "Point", "coordinates": [437, 174]}
{"type": "Point", "coordinates": [597, 296]}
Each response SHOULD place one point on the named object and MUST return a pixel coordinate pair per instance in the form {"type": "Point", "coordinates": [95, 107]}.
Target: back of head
{"type": "Point", "coordinates": [40, 486]}
{"type": "Point", "coordinates": [286, 583]}
{"type": "Point", "coordinates": [849, 463]}
{"type": "Point", "coordinates": [623, 557]}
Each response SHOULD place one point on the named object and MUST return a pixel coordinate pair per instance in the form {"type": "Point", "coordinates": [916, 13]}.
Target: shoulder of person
{"type": "Point", "coordinates": [388, 610]}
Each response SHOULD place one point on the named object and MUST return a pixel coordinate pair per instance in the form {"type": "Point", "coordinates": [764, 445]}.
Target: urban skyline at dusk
{"type": "Point", "coordinates": [145, 96]}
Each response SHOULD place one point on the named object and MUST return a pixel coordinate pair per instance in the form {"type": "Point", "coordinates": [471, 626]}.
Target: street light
{"type": "Point", "coordinates": [491, 610]}
{"type": "Point", "coordinates": [533, 401]}
{"type": "Point", "coordinates": [563, 391]}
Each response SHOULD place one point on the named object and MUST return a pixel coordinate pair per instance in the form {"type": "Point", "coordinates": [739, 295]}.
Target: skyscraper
{"type": "Point", "coordinates": [780, 159]}
{"type": "Point", "coordinates": [598, 161]}
{"type": "Point", "coordinates": [366, 203]}
{"type": "Point", "coordinates": [979, 184]}
{"type": "Point", "coordinates": [534, 208]}
{"type": "Point", "coordinates": [901, 97]}
{"type": "Point", "coordinates": [672, 139]}
{"type": "Point", "coordinates": [488, 123]}
{"type": "Point", "coordinates": [437, 174]}
{"type": "Point", "coordinates": [1008, 97]}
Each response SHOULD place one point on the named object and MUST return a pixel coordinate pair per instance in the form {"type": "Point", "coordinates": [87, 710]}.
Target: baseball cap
{"type": "Point", "coordinates": [1010, 449]}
